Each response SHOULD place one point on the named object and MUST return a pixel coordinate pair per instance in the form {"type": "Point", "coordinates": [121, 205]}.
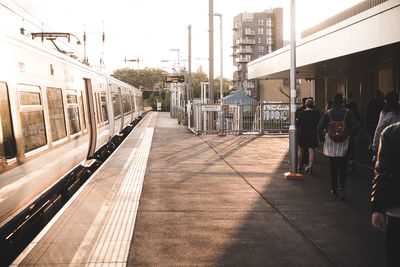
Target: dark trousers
{"type": "Point", "coordinates": [392, 241]}
{"type": "Point", "coordinates": [338, 172]}
{"type": "Point", "coordinates": [350, 155]}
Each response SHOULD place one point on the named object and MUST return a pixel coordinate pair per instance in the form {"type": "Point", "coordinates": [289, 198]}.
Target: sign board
{"type": "Point", "coordinates": [211, 107]}
{"type": "Point", "coordinates": [276, 111]}
{"type": "Point", "coordinates": [158, 106]}
{"type": "Point", "coordinates": [175, 79]}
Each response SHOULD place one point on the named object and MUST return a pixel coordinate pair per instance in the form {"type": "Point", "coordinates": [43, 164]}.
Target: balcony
{"type": "Point", "coordinates": [245, 41]}
{"type": "Point", "coordinates": [242, 59]}
{"type": "Point", "coordinates": [249, 32]}
{"type": "Point", "coordinates": [236, 78]}
{"type": "Point", "coordinates": [242, 50]}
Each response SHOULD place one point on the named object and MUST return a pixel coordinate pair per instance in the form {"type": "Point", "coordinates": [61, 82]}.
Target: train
{"type": "Point", "coordinates": [55, 113]}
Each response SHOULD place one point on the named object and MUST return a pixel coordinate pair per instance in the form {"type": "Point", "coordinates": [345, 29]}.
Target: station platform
{"type": "Point", "coordinates": [167, 197]}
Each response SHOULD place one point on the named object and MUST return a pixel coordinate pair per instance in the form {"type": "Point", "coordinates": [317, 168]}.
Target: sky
{"type": "Point", "coordinates": [148, 29]}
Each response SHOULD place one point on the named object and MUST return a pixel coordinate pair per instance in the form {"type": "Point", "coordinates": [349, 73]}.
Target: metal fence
{"type": "Point", "coordinates": [265, 118]}
{"type": "Point", "coordinates": [275, 118]}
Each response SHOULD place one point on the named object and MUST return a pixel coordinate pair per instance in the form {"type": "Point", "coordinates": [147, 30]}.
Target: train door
{"type": "Point", "coordinates": [8, 148]}
{"type": "Point", "coordinates": [121, 108]}
{"type": "Point", "coordinates": [91, 118]}
{"type": "Point", "coordinates": [132, 107]}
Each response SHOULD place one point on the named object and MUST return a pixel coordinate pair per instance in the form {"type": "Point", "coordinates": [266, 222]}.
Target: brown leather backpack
{"type": "Point", "coordinates": [337, 130]}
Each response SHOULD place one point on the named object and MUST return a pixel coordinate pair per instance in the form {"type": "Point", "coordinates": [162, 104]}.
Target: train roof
{"type": "Point", "coordinates": [24, 41]}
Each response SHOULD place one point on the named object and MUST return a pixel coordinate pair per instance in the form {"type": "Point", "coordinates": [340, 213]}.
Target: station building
{"type": "Point", "coordinates": [354, 52]}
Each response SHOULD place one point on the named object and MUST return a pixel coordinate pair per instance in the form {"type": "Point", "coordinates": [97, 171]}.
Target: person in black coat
{"type": "Point", "coordinates": [385, 196]}
{"type": "Point", "coordinates": [307, 134]}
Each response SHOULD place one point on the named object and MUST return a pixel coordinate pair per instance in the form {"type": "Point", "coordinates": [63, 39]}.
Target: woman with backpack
{"type": "Point", "coordinates": [340, 126]}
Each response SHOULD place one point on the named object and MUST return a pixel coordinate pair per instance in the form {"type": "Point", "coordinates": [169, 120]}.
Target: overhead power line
{"type": "Point", "coordinates": [35, 24]}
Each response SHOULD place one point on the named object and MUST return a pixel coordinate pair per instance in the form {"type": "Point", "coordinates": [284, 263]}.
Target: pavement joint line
{"type": "Point", "coordinates": [275, 208]}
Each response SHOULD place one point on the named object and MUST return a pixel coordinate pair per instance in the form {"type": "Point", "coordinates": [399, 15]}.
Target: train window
{"type": "Point", "coordinates": [56, 113]}
{"type": "Point", "coordinates": [116, 106]}
{"type": "Point", "coordinates": [98, 111]}
{"type": "Point", "coordinates": [133, 102]}
{"type": "Point", "coordinates": [103, 104]}
{"type": "Point", "coordinates": [32, 119]}
{"type": "Point", "coordinates": [72, 99]}
{"type": "Point", "coordinates": [29, 98]}
{"type": "Point", "coordinates": [8, 149]}
{"type": "Point", "coordinates": [82, 106]}
{"type": "Point", "coordinates": [74, 122]}
{"type": "Point", "coordinates": [126, 104]}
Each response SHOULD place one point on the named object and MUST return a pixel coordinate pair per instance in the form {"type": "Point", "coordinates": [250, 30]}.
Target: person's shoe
{"type": "Point", "coordinates": [308, 170]}
{"type": "Point", "coordinates": [342, 195]}
{"type": "Point", "coordinates": [333, 193]}
{"type": "Point", "coordinates": [300, 169]}
{"type": "Point", "coordinates": [351, 165]}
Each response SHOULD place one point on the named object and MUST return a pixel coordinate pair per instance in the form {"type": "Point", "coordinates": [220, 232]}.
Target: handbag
{"type": "Point", "coordinates": [335, 149]}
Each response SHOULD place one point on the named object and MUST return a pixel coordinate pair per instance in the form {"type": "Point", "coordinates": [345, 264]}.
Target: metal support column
{"type": "Point", "coordinates": [292, 129]}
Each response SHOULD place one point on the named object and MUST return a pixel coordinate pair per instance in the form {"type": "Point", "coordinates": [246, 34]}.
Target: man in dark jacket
{"type": "Point", "coordinates": [386, 192]}
{"type": "Point", "coordinates": [374, 108]}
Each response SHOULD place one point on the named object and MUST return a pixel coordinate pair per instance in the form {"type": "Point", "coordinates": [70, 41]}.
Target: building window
{"type": "Point", "coordinates": [269, 31]}
{"type": "Point", "coordinates": [269, 22]}
{"type": "Point", "coordinates": [260, 30]}
{"type": "Point", "coordinates": [259, 40]}
{"type": "Point", "coordinates": [260, 21]}
{"type": "Point", "coordinates": [269, 40]}
{"type": "Point", "coordinates": [269, 49]}
{"type": "Point", "coordinates": [260, 48]}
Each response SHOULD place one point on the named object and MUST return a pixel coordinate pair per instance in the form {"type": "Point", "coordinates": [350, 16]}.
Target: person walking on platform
{"type": "Point", "coordinates": [307, 122]}
{"type": "Point", "coordinates": [303, 107]}
{"type": "Point", "coordinates": [374, 109]}
{"type": "Point", "coordinates": [352, 106]}
{"type": "Point", "coordinates": [305, 151]}
{"type": "Point", "coordinates": [341, 125]}
{"type": "Point", "coordinates": [389, 115]}
{"type": "Point", "coordinates": [385, 196]}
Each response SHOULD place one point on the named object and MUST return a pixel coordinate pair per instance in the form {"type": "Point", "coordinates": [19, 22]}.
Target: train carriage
{"type": "Point", "coordinates": [54, 113]}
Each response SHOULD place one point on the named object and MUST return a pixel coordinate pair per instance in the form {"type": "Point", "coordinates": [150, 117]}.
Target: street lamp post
{"type": "Point", "coordinates": [178, 86]}
{"type": "Point", "coordinates": [292, 174]}
{"type": "Point", "coordinates": [221, 78]}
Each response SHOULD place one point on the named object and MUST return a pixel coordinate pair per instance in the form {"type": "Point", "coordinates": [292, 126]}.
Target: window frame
{"type": "Point", "coordinates": [73, 92]}
{"type": "Point", "coordinates": [63, 139]}
{"type": "Point", "coordinates": [31, 108]}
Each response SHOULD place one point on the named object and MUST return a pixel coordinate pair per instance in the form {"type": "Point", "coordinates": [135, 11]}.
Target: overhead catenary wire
{"type": "Point", "coordinates": [40, 27]}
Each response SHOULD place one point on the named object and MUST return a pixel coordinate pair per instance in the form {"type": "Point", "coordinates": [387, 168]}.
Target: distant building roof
{"type": "Point", "coordinates": [237, 97]}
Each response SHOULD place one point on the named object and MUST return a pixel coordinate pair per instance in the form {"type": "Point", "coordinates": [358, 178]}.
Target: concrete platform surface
{"type": "Point", "coordinates": [223, 201]}
{"type": "Point", "coordinates": [170, 198]}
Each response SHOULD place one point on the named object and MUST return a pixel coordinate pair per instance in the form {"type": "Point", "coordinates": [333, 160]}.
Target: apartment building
{"type": "Point", "coordinates": [254, 35]}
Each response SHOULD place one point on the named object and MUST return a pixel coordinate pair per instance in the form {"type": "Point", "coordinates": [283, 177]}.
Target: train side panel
{"type": "Point", "coordinates": [44, 117]}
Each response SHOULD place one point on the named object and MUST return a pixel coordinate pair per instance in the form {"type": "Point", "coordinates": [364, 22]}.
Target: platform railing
{"type": "Point", "coordinates": [264, 118]}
